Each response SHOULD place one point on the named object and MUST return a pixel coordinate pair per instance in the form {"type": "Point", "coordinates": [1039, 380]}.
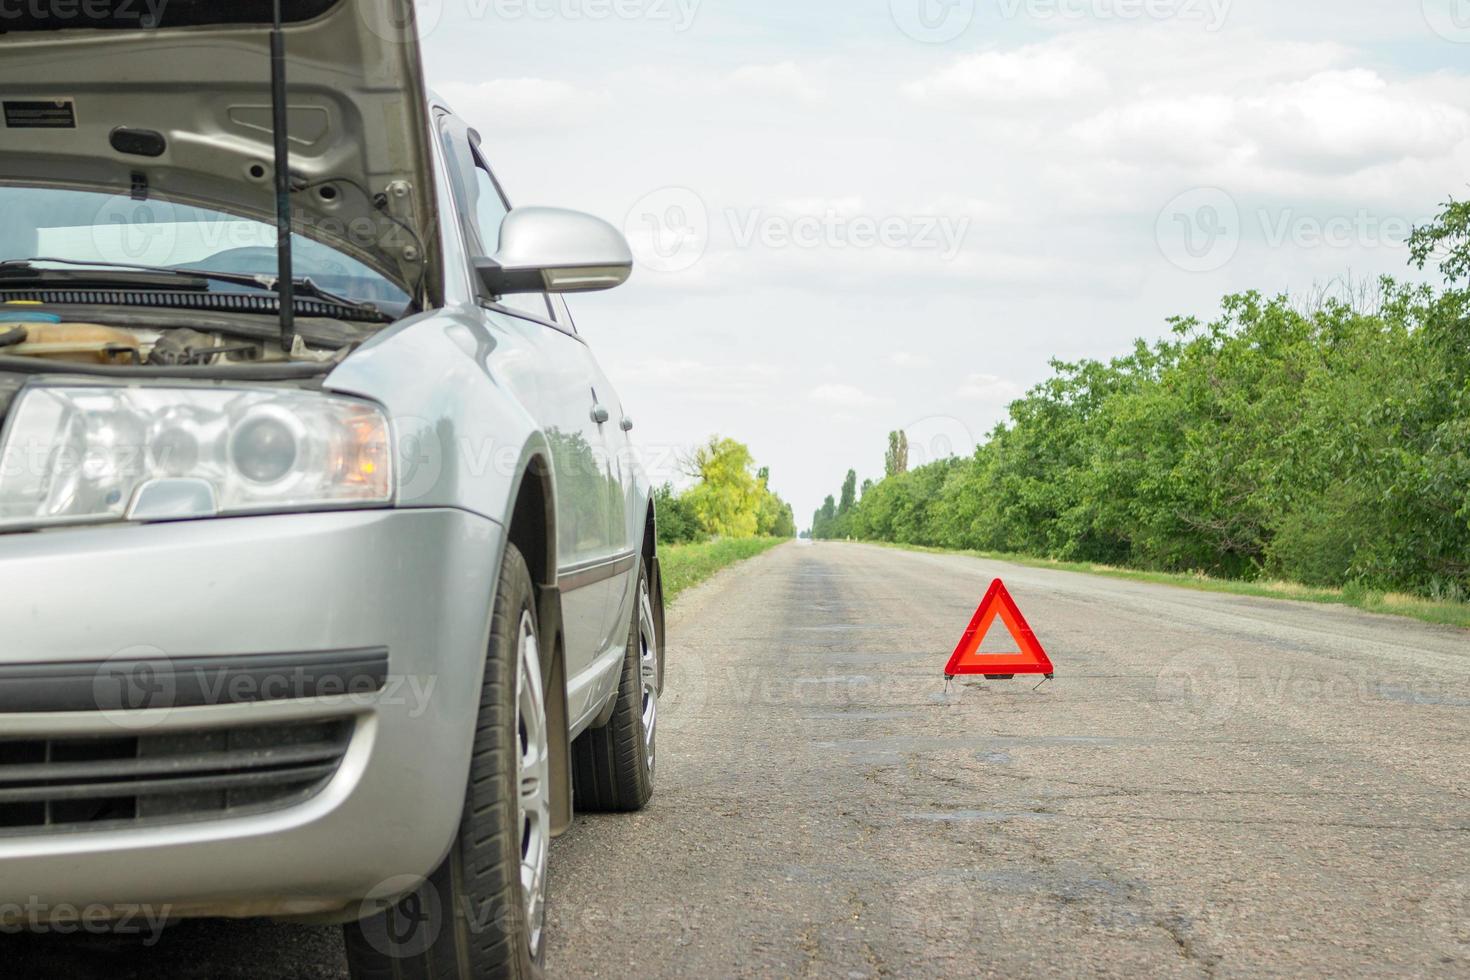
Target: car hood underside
{"type": "Point", "coordinates": [102, 101]}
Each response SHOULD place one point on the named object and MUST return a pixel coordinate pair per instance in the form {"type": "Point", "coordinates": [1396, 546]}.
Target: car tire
{"type": "Point", "coordinates": [481, 913]}
{"type": "Point", "coordinates": [613, 766]}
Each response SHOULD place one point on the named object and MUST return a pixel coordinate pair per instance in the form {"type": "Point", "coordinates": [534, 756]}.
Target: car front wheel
{"type": "Point", "coordinates": [482, 912]}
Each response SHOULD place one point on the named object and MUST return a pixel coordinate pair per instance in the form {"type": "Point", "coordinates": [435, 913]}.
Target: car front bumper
{"type": "Point", "coordinates": [418, 583]}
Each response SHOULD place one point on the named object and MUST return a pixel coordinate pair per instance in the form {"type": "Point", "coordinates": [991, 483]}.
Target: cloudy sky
{"type": "Point", "coordinates": [858, 215]}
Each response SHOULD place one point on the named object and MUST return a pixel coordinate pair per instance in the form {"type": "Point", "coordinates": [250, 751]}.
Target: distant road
{"type": "Point", "coordinates": [1214, 785]}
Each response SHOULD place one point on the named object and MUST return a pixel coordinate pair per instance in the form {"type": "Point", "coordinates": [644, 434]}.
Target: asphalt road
{"type": "Point", "coordinates": [1214, 785]}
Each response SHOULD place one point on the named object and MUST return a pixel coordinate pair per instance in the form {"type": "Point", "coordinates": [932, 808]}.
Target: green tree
{"type": "Point", "coordinates": [849, 493]}
{"type": "Point", "coordinates": [824, 519]}
{"type": "Point", "coordinates": [776, 518]}
{"type": "Point", "coordinates": [1446, 239]}
{"type": "Point", "coordinates": [727, 499]}
{"type": "Point", "coordinates": [785, 526]}
{"type": "Point", "coordinates": [896, 460]}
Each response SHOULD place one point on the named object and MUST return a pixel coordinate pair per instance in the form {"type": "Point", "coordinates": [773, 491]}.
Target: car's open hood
{"type": "Point", "coordinates": [82, 94]}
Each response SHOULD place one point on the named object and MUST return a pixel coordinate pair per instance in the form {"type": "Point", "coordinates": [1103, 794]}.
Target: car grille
{"type": "Point", "coordinates": [88, 783]}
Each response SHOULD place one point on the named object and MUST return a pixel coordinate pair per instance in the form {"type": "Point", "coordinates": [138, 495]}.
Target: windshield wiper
{"type": "Point", "coordinates": [172, 278]}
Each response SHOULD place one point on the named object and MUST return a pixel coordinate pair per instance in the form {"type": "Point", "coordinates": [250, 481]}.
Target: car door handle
{"type": "Point", "coordinates": [599, 414]}
{"type": "Point", "coordinates": [626, 423]}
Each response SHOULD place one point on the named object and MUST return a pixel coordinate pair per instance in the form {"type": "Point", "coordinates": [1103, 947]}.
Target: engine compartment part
{"type": "Point", "coordinates": [316, 332]}
{"type": "Point", "coordinates": [184, 346]}
{"type": "Point", "coordinates": [85, 343]}
{"type": "Point", "coordinates": [121, 342]}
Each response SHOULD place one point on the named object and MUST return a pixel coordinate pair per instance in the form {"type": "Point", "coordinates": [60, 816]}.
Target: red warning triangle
{"type": "Point", "coordinates": [967, 658]}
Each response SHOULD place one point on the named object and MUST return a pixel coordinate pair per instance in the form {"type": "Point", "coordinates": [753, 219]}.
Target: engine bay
{"type": "Point", "coordinates": [65, 340]}
{"type": "Point", "coordinates": [71, 338]}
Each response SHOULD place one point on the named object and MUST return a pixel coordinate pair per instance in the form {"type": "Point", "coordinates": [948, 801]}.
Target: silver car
{"type": "Point", "coordinates": [323, 603]}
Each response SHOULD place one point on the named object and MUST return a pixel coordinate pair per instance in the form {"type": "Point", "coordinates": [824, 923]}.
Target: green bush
{"type": "Point", "coordinates": [674, 517]}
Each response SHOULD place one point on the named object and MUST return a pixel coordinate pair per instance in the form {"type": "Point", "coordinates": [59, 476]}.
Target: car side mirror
{"type": "Point", "coordinates": [551, 250]}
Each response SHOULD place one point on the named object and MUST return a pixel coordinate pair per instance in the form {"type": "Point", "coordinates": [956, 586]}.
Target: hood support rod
{"type": "Point", "coordinates": [285, 283]}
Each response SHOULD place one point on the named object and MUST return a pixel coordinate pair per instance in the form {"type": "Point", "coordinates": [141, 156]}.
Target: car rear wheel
{"type": "Point", "coordinates": [482, 912]}
{"type": "Point", "coordinates": [613, 766]}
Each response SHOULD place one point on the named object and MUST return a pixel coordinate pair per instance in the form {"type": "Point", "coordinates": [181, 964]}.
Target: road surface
{"type": "Point", "coordinates": [1214, 785]}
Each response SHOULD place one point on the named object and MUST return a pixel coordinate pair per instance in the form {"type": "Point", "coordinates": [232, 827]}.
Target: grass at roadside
{"type": "Point", "coordinates": [1388, 603]}
{"type": "Point", "coordinates": [686, 565]}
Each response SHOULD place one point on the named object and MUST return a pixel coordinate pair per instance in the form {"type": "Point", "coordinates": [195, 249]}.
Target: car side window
{"type": "Point", "coordinates": [490, 212]}
{"type": "Point", "coordinates": [483, 210]}
{"type": "Point", "coordinates": [490, 207]}
{"type": "Point", "coordinates": [563, 314]}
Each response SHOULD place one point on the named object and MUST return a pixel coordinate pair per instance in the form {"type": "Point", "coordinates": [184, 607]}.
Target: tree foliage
{"type": "Point", "coordinates": [896, 460]}
{"type": "Point", "coordinates": [1446, 240]}
{"type": "Point", "coordinates": [849, 493]}
{"type": "Point", "coordinates": [824, 521]}
{"type": "Point", "coordinates": [730, 499]}
{"type": "Point", "coordinates": [727, 499]}
{"type": "Point", "coordinates": [1328, 445]}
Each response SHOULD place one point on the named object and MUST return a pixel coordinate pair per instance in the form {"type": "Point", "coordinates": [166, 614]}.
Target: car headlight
{"type": "Point", "coordinates": [96, 452]}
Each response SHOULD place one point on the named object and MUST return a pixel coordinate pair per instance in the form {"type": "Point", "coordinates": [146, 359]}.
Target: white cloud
{"type": "Point", "coordinates": [850, 205]}
{"type": "Point", "coordinates": [907, 359]}
{"type": "Point", "coordinates": [1330, 121]}
{"type": "Point", "coordinates": [691, 379]}
{"type": "Point", "coordinates": [989, 388]}
{"type": "Point", "coordinates": [1038, 72]}
{"type": "Point", "coordinates": [1353, 118]}
{"type": "Point", "coordinates": [786, 79]}
{"type": "Point", "coordinates": [1190, 130]}
{"type": "Point", "coordinates": [845, 396]}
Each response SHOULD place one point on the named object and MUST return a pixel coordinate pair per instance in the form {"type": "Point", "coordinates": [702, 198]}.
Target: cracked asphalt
{"type": "Point", "coordinates": [1213, 785]}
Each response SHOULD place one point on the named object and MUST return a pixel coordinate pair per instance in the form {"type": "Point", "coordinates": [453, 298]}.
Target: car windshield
{"type": "Point", "coordinates": [84, 226]}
